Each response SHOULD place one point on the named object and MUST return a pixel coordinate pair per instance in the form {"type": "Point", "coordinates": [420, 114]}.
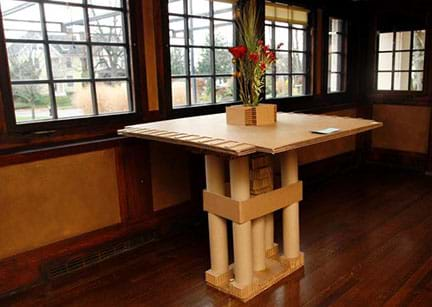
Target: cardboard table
{"type": "Point", "coordinates": [257, 262]}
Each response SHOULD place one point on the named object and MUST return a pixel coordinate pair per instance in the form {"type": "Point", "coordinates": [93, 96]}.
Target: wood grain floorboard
{"type": "Point", "coordinates": [367, 238]}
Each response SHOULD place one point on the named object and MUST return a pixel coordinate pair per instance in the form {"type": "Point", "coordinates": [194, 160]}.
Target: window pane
{"type": "Point", "coordinates": [175, 6]}
{"type": "Point", "coordinates": [335, 64]}
{"type": "Point", "coordinates": [385, 61]}
{"type": "Point", "coordinates": [65, 22]}
{"type": "Point", "coordinates": [21, 20]}
{"type": "Point", "coordinates": [32, 102]}
{"type": "Point", "coordinates": [282, 83]}
{"type": "Point", "coordinates": [109, 62]}
{"type": "Point", "coordinates": [113, 3]}
{"type": "Point", "coordinates": [299, 85]}
{"type": "Point", "coordinates": [178, 89]}
{"type": "Point", "coordinates": [386, 41]}
{"type": "Point", "coordinates": [298, 62]}
{"type": "Point", "coordinates": [199, 7]}
{"type": "Point", "coordinates": [69, 61]}
{"type": "Point", "coordinates": [223, 9]}
{"type": "Point", "coordinates": [176, 30]}
{"type": "Point", "coordinates": [416, 81]}
{"type": "Point", "coordinates": [418, 60]}
{"type": "Point", "coordinates": [298, 40]}
{"type": "Point", "coordinates": [106, 26]}
{"type": "Point", "coordinates": [282, 62]}
{"type": "Point", "coordinates": [201, 90]}
{"type": "Point", "coordinates": [225, 89]}
{"type": "Point", "coordinates": [223, 33]}
{"type": "Point", "coordinates": [269, 86]}
{"type": "Point", "coordinates": [70, 1]}
{"type": "Point", "coordinates": [335, 43]}
{"type": "Point", "coordinates": [384, 81]}
{"type": "Point", "coordinates": [73, 99]}
{"type": "Point", "coordinates": [269, 37]}
{"type": "Point", "coordinates": [199, 32]}
{"type": "Point", "coordinates": [403, 40]}
{"type": "Point", "coordinates": [336, 25]}
{"type": "Point", "coordinates": [178, 64]}
{"type": "Point", "coordinates": [200, 61]}
{"type": "Point", "coordinates": [112, 97]}
{"type": "Point", "coordinates": [281, 37]}
{"type": "Point", "coordinates": [400, 82]}
{"type": "Point", "coordinates": [402, 60]}
{"type": "Point", "coordinates": [419, 39]}
{"type": "Point", "coordinates": [26, 61]}
{"type": "Point", "coordinates": [334, 82]}
{"type": "Point", "coordinates": [223, 62]}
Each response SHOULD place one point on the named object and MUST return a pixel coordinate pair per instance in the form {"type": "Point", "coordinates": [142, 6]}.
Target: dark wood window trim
{"type": "Point", "coordinates": [133, 26]}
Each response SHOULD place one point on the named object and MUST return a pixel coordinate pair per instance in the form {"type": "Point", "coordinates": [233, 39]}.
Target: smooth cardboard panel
{"type": "Point", "coordinates": [255, 207]}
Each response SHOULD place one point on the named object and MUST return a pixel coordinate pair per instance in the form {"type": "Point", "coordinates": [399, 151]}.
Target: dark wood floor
{"type": "Point", "coordinates": [366, 235]}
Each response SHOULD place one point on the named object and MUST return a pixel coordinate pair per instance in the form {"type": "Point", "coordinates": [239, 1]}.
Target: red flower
{"type": "Point", "coordinates": [254, 57]}
{"type": "Point", "coordinates": [238, 52]}
{"type": "Point", "coordinates": [271, 56]}
{"type": "Point", "coordinates": [260, 42]}
{"type": "Point", "coordinates": [266, 48]}
{"type": "Point", "coordinates": [263, 66]}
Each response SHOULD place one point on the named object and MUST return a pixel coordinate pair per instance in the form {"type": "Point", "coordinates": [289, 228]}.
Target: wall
{"type": "Point", "coordinates": [406, 128]}
{"type": "Point", "coordinates": [46, 201]}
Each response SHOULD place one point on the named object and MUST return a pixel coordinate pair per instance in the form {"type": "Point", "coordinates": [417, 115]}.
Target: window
{"type": "Point", "coordinates": [200, 33]}
{"type": "Point", "coordinates": [336, 56]}
{"type": "Point", "coordinates": [67, 59]}
{"type": "Point", "coordinates": [400, 60]}
{"type": "Point", "coordinates": [288, 26]}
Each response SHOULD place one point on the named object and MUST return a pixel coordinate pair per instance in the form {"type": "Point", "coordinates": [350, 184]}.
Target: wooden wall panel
{"type": "Point", "coordinates": [406, 128]}
{"type": "Point", "coordinates": [51, 200]}
{"type": "Point", "coordinates": [170, 175]}
{"type": "Point", "coordinates": [329, 149]}
{"type": "Point", "coordinates": [150, 56]}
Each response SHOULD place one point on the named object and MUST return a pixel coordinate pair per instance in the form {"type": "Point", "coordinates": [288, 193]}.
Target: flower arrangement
{"type": "Point", "coordinates": [251, 57]}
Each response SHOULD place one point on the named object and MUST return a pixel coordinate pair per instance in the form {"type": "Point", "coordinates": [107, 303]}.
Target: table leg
{"type": "Point", "coordinates": [215, 179]}
{"type": "Point", "coordinates": [269, 233]}
{"type": "Point", "coordinates": [258, 244]}
{"type": "Point", "coordinates": [242, 233]}
{"type": "Point", "coordinates": [290, 214]}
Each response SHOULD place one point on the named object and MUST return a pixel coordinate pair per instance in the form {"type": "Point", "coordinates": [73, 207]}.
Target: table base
{"type": "Point", "coordinates": [277, 268]}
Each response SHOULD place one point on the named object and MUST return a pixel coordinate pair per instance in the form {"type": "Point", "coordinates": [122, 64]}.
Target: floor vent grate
{"type": "Point", "coordinates": [61, 268]}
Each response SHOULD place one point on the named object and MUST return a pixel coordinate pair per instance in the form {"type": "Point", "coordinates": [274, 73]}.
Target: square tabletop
{"type": "Point", "coordinates": [212, 133]}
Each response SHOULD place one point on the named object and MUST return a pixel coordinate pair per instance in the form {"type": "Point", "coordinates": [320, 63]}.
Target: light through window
{"type": "Point", "coordinates": [67, 59]}
{"type": "Point", "coordinates": [287, 25]}
{"type": "Point", "coordinates": [200, 33]}
{"type": "Point", "coordinates": [400, 60]}
{"type": "Point", "coordinates": [336, 56]}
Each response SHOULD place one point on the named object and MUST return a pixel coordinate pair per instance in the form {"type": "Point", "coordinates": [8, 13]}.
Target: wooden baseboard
{"type": "Point", "coordinates": [399, 159]}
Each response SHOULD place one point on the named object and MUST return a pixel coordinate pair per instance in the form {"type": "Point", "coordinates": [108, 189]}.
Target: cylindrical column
{"type": "Point", "coordinates": [240, 190]}
{"type": "Point", "coordinates": [269, 231]}
{"type": "Point", "coordinates": [215, 179]}
{"type": "Point", "coordinates": [258, 244]}
{"type": "Point", "coordinates": [290, 214]}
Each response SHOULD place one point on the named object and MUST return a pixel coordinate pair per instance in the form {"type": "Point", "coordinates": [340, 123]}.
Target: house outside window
{"type": "Point", "coordinates": [81, 46]}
